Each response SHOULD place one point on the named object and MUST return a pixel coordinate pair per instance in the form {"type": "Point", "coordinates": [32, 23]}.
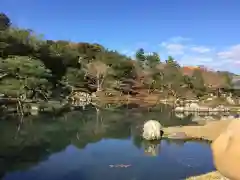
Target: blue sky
{"type": "Point", "coordinates": [204, 32]}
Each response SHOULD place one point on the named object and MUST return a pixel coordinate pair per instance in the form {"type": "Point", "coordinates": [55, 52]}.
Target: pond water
{"type": "Point", "coordinates": [88, 145]}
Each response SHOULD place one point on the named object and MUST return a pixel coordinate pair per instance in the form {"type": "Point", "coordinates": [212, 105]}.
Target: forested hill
{"type": "Point", "coordinates": [47, 69]}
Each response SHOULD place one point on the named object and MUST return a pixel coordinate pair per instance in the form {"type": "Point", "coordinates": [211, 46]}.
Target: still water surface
{"type": "Point", "coordinates": [84, 145]}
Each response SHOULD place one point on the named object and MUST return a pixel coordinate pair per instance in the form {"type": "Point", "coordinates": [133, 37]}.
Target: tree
{"type": "Point", "coordinates": [23, 75]}
{"type": "Point", "coordinates": [198, 82]}
{"type": "Point", "coordinates": [188, 81]}
{"type": "Point", "coordinates": [173, 78]}
{"type": "Point", "coordinates": [124, 70]}
{"type": "Point", "coordinates": [227, 79]}
{"type": "Point", "coordinates": [5, 22]}
{"type": "Point", "coordinates": [152, 59]}
{"type": "Point", "coordinates": [157, 77]}
{"type": "Point", "coordinates": [98, 71]}
{"type": "Point", "coordinates": [170, 60]}
{"type": "Point", "coordinates": [140, 57]}
{"type": "Point", "coordinates": [152, 76]}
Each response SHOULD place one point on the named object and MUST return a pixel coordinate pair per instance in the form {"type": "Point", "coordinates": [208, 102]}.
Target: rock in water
{"type": "Point", "coordinates": [152, 130]}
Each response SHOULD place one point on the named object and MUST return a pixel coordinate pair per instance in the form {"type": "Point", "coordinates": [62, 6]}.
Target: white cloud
{"type": "Point", "coordinates": [173, 48]}
{"type": "Point", "coordinates": [180, 46]}
{"type": "Point", "coordinates": [195, 60]}
{"type": "Point", "coordinates": [203, 59]}
{"type": "Point", "coordinates": [188, 52]}
{"type": "Point", "coordinates": [232, 54]}
{"type": "Point", "coordinates": [200, 49]}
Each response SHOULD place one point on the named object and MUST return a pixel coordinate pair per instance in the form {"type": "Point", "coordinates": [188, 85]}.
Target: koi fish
{"type": "Point", "coordinates": [119, 165]}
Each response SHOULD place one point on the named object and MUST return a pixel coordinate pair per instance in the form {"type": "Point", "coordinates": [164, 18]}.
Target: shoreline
{"type": "Point", "coordinates": [209, 131]}
{"type": "Point", "coordinates": [209, 176]}
{"type": "Point", "coordinates": [199, 131]}
{"type": "Point", "coordinates": [148, 100]}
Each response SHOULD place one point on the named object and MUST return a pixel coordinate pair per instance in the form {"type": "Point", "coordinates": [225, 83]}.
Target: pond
{"type": "Point", "coordinates": [90, 145]}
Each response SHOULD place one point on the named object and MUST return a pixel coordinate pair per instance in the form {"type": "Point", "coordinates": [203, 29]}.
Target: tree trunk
{"type": "Point", "coordinates": [98, 84]}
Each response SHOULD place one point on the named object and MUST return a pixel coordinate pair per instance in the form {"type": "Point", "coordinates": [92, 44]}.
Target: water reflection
{"type": "Point", "coordinates": [88, 139]}
{"type": "Point", "coordinates": [151, 148]}
{"type": "Point", "coordinates": [93, 163]}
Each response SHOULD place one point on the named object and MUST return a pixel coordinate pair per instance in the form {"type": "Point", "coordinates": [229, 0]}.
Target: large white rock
{"type": "Point", "coordinates": [152, 130]}
{"type": "Point", "coordinates": [179, 109]}
{"type": "Point", "coordinates": [194, 106]}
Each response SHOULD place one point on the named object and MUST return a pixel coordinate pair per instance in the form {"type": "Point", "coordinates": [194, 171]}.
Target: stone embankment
{"type": "Point", "coordinates": [194, 107]}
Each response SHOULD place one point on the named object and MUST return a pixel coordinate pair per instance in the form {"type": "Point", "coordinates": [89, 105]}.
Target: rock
{"type": "Point", "coordinates": [93, 95]}
{"type": "Point", "coordinates": [227, 117]}
{"type": "Point", "coordinates": [220, 108]}
{"type": "Point", "coordinates": [230, 100]}
{"type": "Point", "coordinates": [179, 109]}
{"type": "Point", "coordinates": [191, 107]}
{"type": "Point", "coordinates": [180, 115]}
{"type": "Point", "coordinates": [226, 151]}
{"type": "Point", "coordinates": [209, 99]}
{"type": "Point", "coordinates": [194, 106]}
{"type": "Point", "coordinates": [187, 105]}
{"type": "Point", "coordinates": [152, 130]}
{"type": "Point", "coordinates": [205, 109]}
{"type": "Point", "coordinates": [209, 118]}
{"type": "Point", "coordinates": [205, 118]}
{"type": "Point", "coordinates": [34, 110]}
{"type": "Point", "coordinates": [197, 118]}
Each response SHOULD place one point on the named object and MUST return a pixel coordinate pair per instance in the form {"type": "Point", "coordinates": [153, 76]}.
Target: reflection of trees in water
{"type": "Point", "coordinates": [137, 141]}
{"type": "Point", "coordinates": [42, 136]}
